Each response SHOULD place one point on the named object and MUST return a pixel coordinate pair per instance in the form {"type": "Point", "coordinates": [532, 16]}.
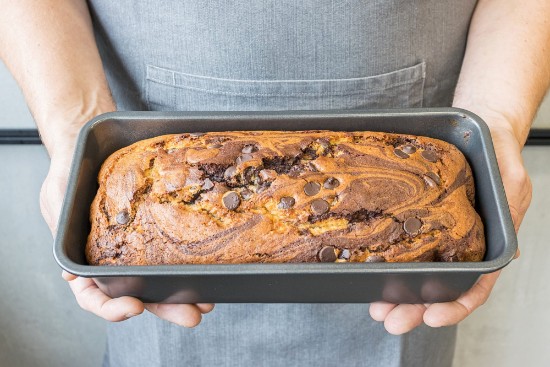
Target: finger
{"type": "Point", "coordinates": [451, 313]}
{"type": "Point", "coordinates": [380, 310]}
{"type": "Point", "coordinates": [92, 299]}
{"type": "Point", "coordinates": [205, 307]}
{"type": "Point", "coordinates": [403, 318]}
{"type": "Point", "coordinates": [187, 315]}
{"type": "Point", "coordinates": [68, 276]}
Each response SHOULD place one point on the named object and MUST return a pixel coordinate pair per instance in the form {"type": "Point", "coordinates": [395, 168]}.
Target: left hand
{"type": "Point", "coordinates": [87, 293]}
{"type": "Point", "coordinates": [399, 319]}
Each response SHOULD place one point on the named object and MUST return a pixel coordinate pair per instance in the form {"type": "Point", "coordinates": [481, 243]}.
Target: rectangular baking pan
{"type": "Point", "coordinates": [307, 283]}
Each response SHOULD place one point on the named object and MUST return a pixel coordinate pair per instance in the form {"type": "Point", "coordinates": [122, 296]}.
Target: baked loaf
{"type": "Point", "coordinates": [271, 196]}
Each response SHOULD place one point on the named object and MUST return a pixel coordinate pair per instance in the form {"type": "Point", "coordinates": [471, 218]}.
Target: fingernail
{"type": "Point", "coordinates": [128, 315]}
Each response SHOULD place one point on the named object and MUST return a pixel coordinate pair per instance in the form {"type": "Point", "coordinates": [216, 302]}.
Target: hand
{"type": "Point", "coordinates": [87, 294]}
{"type": "Point", "coordinates": [399, 319]}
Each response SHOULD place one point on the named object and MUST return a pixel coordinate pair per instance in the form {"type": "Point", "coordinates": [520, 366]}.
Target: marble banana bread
{"type": "Point", "coordinates": [271, 196]}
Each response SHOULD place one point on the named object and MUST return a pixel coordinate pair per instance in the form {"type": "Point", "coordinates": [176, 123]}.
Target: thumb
{"type": "Point", "coordinates": [516, 181]}
{"type": "Point", "coordinates": [52, 193]}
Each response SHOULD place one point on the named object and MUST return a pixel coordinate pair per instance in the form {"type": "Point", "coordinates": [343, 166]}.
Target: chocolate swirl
{"type": "Point", "coordinates": [364, 195]}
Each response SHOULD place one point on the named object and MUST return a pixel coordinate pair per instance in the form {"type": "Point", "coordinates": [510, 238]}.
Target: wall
{"type": "Point", "coordinates": [41, 324]}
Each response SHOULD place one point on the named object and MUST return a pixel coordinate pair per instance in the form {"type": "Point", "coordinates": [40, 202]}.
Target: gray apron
{"type": "Point", "coordinates": [280, 55]}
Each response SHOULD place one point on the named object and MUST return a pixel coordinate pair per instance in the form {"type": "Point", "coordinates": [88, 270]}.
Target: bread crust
{"type": "Point", "coordinates": [272, 196]}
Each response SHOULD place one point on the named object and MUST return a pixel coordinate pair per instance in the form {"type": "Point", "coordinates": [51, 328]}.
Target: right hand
{"type": "Point", "coordinates": [85, 290]}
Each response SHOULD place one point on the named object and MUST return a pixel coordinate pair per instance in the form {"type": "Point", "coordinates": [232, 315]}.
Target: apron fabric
{"type": "Point", "coordinates": [279, 55]}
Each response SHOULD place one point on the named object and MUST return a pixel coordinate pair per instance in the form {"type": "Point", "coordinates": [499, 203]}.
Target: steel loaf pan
{"type": "Point", "coordinates": [299, 283]}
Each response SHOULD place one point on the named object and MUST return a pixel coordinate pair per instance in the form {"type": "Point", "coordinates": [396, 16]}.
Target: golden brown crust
{"type": "Point", "coordinates": [239, 197]}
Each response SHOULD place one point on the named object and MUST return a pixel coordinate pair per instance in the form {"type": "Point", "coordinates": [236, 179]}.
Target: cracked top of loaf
{"type": "Point", "coordinates": [273, 196]}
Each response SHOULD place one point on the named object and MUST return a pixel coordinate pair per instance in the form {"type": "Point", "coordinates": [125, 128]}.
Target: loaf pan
{"type": "Point", "coordinates": [299, 283]}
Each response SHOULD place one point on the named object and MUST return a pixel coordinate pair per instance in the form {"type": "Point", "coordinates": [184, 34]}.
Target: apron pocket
{"type": "Point", "coordinates": [172, 90]}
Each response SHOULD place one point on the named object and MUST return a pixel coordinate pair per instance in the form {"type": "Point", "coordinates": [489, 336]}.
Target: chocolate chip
{"type": "Point", "coordinates": [345, 254]}
{"type": "Point", "coordinates": [412, 225]}
{"type": "Point", "coordinates": [196, 135]}
{"type": "Point", "coordinates": [400, 153]}
{"type": "Point", "coordinates": [319, 206]}
{"type": "Point", "coordinates": [375, 259]}
{"type": "Point", "coordinates": [268, 175]}
{"type": "Point", "coordinates": [207, 184]}
{"type": "Point", "coordinates": [249, 149]}
{"type": "Point", "coordinates": [452, 259]}
{"type": "Point", "coordinates": [429, 181]}
{"type": "Point", "coordinates": [244, 158]}
{"type": "Point", "coordinates": [246, 194]}
{"type": "Point", "coordinates": [249, 174]}
{"type": "Point", "coordinates": [286, 202]}
{"type": "Point", "coordinates": [331, 183]}
{"type": "Point", "coordinates": [327, 254]}
{"type": "Point", "coordinates": [295, 171]}
{"type": "Point", "coordinates": [430, 156]}
{"type": "Point", "coordinates": [231, 200]}
{"type": "Point", "coordinates": [409, 149]}
{"type": "Point", "coordinates": [123, 217]}
{"type": "Point", "coordinates": [434, 177]}
{"type": "Point", "coordinates": [312, 188]}
{"type": "Point", "coordinates": [229, 172]}
{"type": "Point", "coordinates": [323, 142]}
{"type": "Point", "coordinates": [311, 167]}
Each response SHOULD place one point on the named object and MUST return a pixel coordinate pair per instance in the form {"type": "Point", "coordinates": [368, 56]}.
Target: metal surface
{"type": "Point", "coordinates": [324, 282]}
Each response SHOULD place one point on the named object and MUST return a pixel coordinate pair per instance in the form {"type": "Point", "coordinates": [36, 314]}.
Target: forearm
{"type": "Point", "coordinates": [50, 49]}
{"type": "Point", "coordinates": [506, 69]}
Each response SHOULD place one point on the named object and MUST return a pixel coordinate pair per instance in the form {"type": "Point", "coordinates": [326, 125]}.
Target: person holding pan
{"type": "Point", "coordinates": [77, 59]}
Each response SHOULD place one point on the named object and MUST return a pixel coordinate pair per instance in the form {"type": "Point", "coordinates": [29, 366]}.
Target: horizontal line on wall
{"type": "Point", "coordinates": [538, 137]}
{"type": "Point", "coordinates": [19, 136]}
{"type": "Point", "coordinates": [31, 136]}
